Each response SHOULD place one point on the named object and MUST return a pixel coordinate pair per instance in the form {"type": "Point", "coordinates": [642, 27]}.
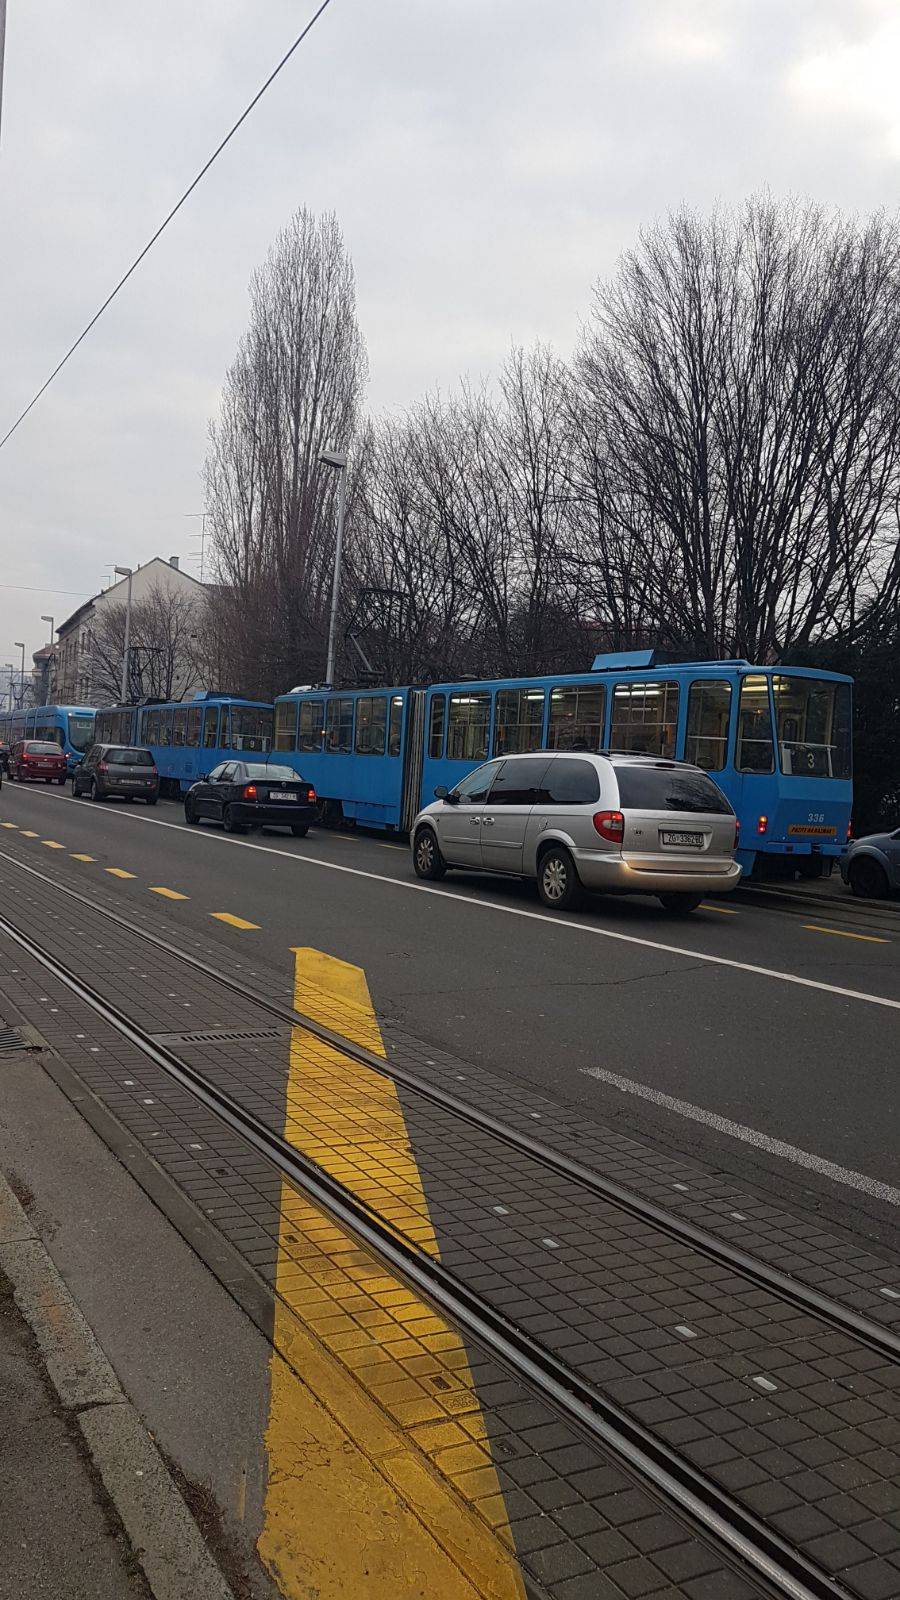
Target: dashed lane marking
{"type": "Point", "coordinates": [53, 844]}
{"type": "Point", "coordinates": [384, 1436]}
{"type": "Point", "coordinates": [119, 872]}
{"type": "Point", "coordinates": [10, 825]}
{"type": "Point", "coordinates": [752, 1136]}
{"type": "Point", "coordinates": [724, 911]}
{"type": "Point", "coordinates": [842, 933]}
{"type": "Point", "coordinates": [702, 957]}
{"type": "Point", "coordinates": [234, 922]}
{"type": "Point", "coordinates": [80, 857]}
{"type": "Point", "coordinates": [28, 833]}
{"type": "Point", "coordinates": [169, 894]}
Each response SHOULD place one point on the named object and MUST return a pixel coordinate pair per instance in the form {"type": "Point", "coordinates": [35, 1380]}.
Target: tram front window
{"type": "Point", "coordinates": [251, 728]}
{"type": "Point", "coordinates": [812, 716]}
{"type": "Point", "coordinates": [81, 731]}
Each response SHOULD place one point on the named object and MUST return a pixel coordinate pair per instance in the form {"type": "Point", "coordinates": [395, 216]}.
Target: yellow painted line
{"type": "Point", "coordinates": [53, 844]}
{"type": "Point", "coordinates": [396, 1492]}
{"type": "Point", "coordinates": [170, 894]}
{"type": "Point", "coordinates": [119, 872]}
{"type": "Point", "coordinates": [841, 933]}
{"type": "Point", "coordinates": [233, 922]}
{"type": "Point", "coordinates": [76, 857]}
{"type": "Point", "coordinates": [9, 825]}
{"type": "Point", "coordinates": [724, 911]}
{"type": "Point", "coordinates": [27, 833]}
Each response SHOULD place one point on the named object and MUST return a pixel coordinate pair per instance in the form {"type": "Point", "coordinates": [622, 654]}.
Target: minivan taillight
{"type": "Point", "coordinates": [737, 832]}
{"type": "Point", "coordinates": [610, 825]}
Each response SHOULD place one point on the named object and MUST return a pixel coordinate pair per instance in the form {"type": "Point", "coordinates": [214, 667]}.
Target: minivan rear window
{"type": "Point", "coordinates": [129, 758]}
{"type": "Point", "coordinates": [652, 788]}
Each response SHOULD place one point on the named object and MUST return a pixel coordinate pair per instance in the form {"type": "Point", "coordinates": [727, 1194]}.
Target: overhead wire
{"type": "Point", "coordinates": [166, 220]}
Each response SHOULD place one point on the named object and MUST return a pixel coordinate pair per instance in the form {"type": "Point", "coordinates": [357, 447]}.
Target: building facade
{"type": "Point", "coordinates": [85, 640]}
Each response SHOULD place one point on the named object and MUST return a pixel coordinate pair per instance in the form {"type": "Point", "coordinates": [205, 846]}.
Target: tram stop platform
{"type": "Point", "coordinates": [377, 1338]}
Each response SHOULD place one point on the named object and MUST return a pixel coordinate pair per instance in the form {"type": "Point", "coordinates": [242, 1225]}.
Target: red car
{"type": "Point", "coordinates": [31, 760]}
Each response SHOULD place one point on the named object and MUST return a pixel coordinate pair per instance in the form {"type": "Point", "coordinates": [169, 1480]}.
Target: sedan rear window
{"type": "Point", "coordinates": [652, 788]}
{"type": "Point", "coordinates": [256, 771]}
{"type": "Point", "coordinates": [130, 758]}
{"type": "Point", "coordinates": [34, 747]}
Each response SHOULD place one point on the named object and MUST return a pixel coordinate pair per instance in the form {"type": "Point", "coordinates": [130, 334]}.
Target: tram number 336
{"type": "Point", "coordinates": [816, 816]}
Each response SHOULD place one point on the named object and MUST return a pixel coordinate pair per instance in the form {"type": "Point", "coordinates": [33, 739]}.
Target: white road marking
{"type": "Point", "coordinates": [508, 911]}
{"type": "Point", "coordinates": [765, 1383]}
{"type": "Point", "coordinates": [685, 1331]}
{"type": "Point", "coordinates": [762, 1141]}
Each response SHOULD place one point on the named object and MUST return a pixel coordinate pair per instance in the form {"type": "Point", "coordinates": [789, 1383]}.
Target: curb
{"type": "Point", "coordinates": [164, 1536]}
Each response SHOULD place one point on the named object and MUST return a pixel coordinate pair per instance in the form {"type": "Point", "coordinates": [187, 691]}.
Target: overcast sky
{"type": "Point", "coordinates": [487, 160]}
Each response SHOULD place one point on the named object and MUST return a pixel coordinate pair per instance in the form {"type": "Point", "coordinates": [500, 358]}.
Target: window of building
{"type": "Point", "coordinates": [286, 725]}
{"type": "Point", "coordinates": [339, 726]}
{"type": "Point", "coordinates": [754, 751]}
{"type": "Point", "coordinates": [395, 729]}
{"type": "Point", "coordinates": [645, 717]}
{"type": "Point", "coordinates": [468, 725]}
{"type": "Point", "coordinates": [519, 721]}
{"type": "Point", "coordinates": [709, 710]}
{"type": "Point", "coordinates": [436, 726]}
{"type": "Point", "coordinates": [577, 713]}
{"type": "Point", "coordinates": [371, 724]}
{"type": "Point", "coordinates": [312, 715]}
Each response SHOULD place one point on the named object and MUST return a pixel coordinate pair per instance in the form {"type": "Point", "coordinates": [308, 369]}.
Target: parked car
{"type": "Point", "coordinates": [871, 865]}
{"type": "Point", "coordinates": [252, 794]}
{"type": "Point", "coordinates": [624, 822]}
{"type": "Point", "coordinates": [117, 770]}
{"type": "Point", "coordinates": [37, 760]}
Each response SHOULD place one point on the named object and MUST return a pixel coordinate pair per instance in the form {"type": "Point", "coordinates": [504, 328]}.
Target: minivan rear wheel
{"type": "Point", "coordinates": [558, 883]}
{"type": "Point", "coordinates": [679, 904]}
{"type": "Point", "coordinates": [868, 879]}
{"type": "Point", "coordinates": [427, 859]}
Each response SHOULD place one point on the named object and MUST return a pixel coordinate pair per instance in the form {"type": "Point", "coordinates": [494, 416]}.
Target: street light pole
{"type": "Point", "coordinates": [52, 622]}
{"type": "Point", "coordinates": [20, 646]}
{"type": "Point", "coordinates": [9, 684]}
{"type": "Point", "coordinates": [126, 572]}
{"type": "Point", "coordinates": [338, 460]}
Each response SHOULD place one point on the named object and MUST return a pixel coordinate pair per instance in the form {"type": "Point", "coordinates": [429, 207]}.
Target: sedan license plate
{"type": "Point", "coordinates": [693, 841]}
{"type": "Point", "coordinates": [282, 794]}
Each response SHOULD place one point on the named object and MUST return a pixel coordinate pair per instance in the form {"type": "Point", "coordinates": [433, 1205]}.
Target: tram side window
{"type": "Point", "coordinates": [436, 727]}
{"type": "Point", "coordinates": [467, 726]}
{"type": "Point", "coordinates": [371, 720]}
{"type": "Point", "coordinates": [165, 728]}
{"type": "Point", "coordinates": [339, 726]}
{"type": "Point", "coordinates": [645, 718]}
{"type": "Point", "coordinates": [211, 728]}
{"type": "Point", "coordinates": [286, 725]}
{"type": "Point", "coordinates": [179, 728]}
{"type": "Point", "coordinates": [576, 717]}
{"type": "Point", "coordinates": [709, 709]}
{"type": "Point", "coordinates": [754, 751]}
{"type": "Point", "coordinates": [192, 731]}
{"type": "Point", "coordinates": [813, 720]}
{"type": "Point", "coordinates": [519, 723]}
{"type": "Point", "coordinates": [312, 714]}
{"type": "Point", "coordinates": [395, 729]}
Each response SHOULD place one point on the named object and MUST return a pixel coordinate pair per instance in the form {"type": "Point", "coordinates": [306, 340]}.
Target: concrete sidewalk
{"type": "Point", "coordinates": [60, 1536]}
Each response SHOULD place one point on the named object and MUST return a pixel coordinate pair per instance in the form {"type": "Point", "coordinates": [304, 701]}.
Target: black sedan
{"type": "Point", "coordinates": [245, 794]}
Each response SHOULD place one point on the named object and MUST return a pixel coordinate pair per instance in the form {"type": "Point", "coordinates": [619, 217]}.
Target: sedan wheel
{"type": "Point", "coordinates": [559, 885]}
{"type": "Point", "coordinates": [868, 879]}
{"type": "Point", "coordinates": [231, 822]}
{"type": "Point", "coordinates": [190, 815]}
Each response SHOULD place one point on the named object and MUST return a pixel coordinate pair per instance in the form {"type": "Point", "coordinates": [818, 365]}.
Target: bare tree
{"type": "Point", "coordinates": [294, 389]}
{"type": "Point", "coordinates": [162, 647]}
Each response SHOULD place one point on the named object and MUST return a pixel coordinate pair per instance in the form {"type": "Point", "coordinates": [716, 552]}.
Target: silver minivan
{"type": "Point", "coordinates": [624, 822]}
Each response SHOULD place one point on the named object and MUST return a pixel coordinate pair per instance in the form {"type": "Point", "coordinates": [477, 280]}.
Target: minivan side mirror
{"type": "Point", "coordinates": [443, 793]}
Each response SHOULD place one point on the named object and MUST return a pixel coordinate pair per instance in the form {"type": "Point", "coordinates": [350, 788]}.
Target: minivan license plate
{"type": "Point", "coordinates": [693, 840]}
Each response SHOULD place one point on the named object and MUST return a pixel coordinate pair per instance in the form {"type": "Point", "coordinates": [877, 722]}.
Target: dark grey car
{"type": "Point", "coordinates": [124, 771]}
{"type": "Point", "coordinates": [871, 865]}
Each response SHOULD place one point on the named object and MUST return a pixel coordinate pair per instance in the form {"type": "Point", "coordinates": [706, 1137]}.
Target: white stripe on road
{"type": "Point", "coordinates": [761, 1141]}
{"type": "Point", "coordinates": [493, 905]}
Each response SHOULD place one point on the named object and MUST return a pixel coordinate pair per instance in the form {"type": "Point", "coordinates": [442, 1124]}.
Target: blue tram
{"type": "Point", "coordinates": [71, 727]}
{"type": "Point", "coordinates": [776, 739]}
{"type": "Point", "coordinates": [189, 737]}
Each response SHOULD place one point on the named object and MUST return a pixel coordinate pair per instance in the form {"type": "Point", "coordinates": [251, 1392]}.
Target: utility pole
{"type": "Point", "coordinates": [126, 572]}
{"type": "Point", "coordinates": [338, 460]}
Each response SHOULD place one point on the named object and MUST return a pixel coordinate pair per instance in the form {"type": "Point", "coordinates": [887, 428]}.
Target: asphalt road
{"type": "Point", "coordinates": [784, 1024]}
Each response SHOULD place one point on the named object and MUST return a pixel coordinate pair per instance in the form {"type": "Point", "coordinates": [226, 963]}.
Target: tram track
{"type": "Point", "coordinates": [803, 1297]}
{"type": "Point", "coordinates": [750, 1544]}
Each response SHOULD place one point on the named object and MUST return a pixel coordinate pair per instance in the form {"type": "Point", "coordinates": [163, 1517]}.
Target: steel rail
{"type": "Point", "coordinates": [746, 1537]}
{"type": "Point", "coordinates": [882, 1340]}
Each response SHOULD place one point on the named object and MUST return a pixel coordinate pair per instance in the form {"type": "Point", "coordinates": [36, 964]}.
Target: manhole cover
{"type": "Point", "coordinates": [11, 1039]}
{"type": "Point", "coordinates": [223, 1035]}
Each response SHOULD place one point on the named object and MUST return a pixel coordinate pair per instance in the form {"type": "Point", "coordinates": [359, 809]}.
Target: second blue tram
{"type": "Point", "coordinates": [71, 727]}
{"type": "Point", "coordinates": [776, 739]}
{"type": "Point", "coordinates": [189, 737]}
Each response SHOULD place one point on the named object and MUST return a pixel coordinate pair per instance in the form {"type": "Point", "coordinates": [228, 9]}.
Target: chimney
{"type": "Point", "coordinates": [173, 562]}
